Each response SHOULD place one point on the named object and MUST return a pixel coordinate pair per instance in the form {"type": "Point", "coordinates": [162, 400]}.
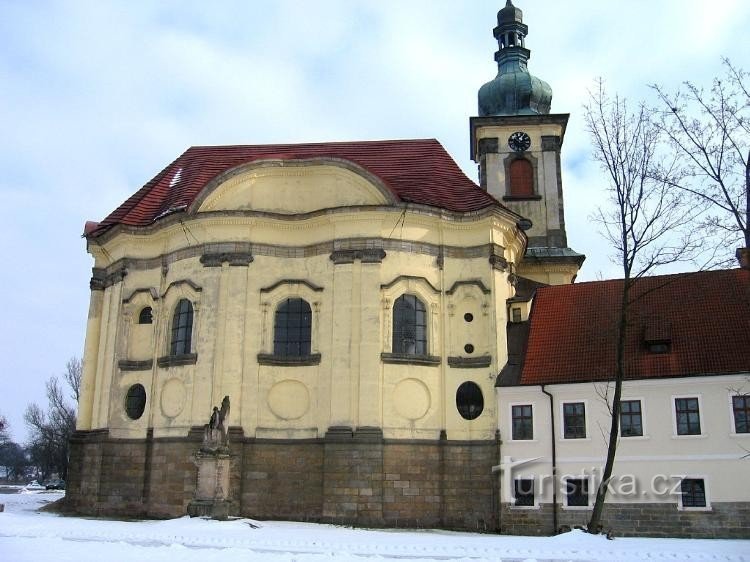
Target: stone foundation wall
{"type": "Point", "coordinates": [724, 520]}
{"type": "Point", "coordinates": [353, 478]}
{"type": "Point", "coordinates": [349, 477]}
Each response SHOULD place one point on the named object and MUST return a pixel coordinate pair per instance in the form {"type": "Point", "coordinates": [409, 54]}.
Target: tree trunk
{"type": "Point", "coordinates": [595, 525]}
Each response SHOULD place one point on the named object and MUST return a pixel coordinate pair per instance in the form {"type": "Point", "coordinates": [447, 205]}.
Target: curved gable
{"type": "Point", "coordinates": [293, 187]}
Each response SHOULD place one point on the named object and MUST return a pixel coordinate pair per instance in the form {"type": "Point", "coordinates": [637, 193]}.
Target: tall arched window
{"type": "Point", "coordinates": [409, 326]}
{"type": "Point", "coordinates": [521, 178]}
{"type": "Point", "coordinates": [182, 328]}
{"type": "Point", "coordinates": [292, 328]}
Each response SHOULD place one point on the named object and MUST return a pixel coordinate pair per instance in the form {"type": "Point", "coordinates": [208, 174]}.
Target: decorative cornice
{"type": "Point", "coordinates": [551, 142]}
{"type": "Point", "coordinates": [498, 262]}
{"type": "Point", "coordinates": [278, 284]}
{"type": "Point", "coordinates": [288, 361]}
{"type": "Point", "coordinates": [369, 255]}
{"type": "Point", "coordinates": [404, 359]}
{"type": "Point", "coordinates": [232, 258]}
{"type": "Point", "coordinates": [469, 362]}
{"type": "Point", "coordinates": [476, 282]}
{"type": "Point", "coordinates": [410, 278]}
{"type": "Point", "coordinates": [150, 291]}
{"type": "Point", "coordinates": [103, 278]}
{"type": "Point", "coordinates": [187, 282]}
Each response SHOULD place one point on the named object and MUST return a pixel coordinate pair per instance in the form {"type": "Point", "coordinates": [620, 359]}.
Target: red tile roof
{"type": "Point", "coordinates": [707, 315]}
{"type": "Point", "coordinates": [418, 171]}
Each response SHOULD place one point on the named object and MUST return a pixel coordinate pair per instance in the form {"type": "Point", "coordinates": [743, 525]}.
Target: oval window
{"type": "Point", "coordinates": [135, 401]}
{"type": "Point", "coordinates": [468, 348]}
{"type": "Point", "coordinates": [469, 400]}
{"type": "Point", "coordinates": [468, 317]}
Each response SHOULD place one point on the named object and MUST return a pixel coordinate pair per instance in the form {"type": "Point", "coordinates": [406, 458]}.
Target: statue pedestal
{"type": "Point", "coordinates": [212, 491]}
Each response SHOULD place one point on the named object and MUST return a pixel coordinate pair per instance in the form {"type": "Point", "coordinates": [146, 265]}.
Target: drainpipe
{"type": "Point", "coordinates": [554, 459]}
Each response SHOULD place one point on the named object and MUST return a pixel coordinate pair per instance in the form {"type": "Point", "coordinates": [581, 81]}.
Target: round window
{"type": "Point", "coordinates": [135, 401]}
{"type": "Point", "coordinates": [468, 317]}
{"type": "Point", "coordinates": [468, 348]}
{"type": "Point", "coordinates": [469, 400]}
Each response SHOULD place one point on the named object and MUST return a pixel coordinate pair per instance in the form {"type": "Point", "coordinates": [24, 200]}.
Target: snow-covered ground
{"type": "Point", "coordinates": [26, 535]}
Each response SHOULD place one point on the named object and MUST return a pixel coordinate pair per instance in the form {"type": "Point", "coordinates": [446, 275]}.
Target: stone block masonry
{"type": "Point", "coordinates": [722, 521]}
{"type": "Point", "coordinates": [351, 477]}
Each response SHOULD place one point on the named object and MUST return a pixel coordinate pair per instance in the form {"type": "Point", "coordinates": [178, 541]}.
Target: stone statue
{"type": "Point", "coordinates": [215, 431]}
{"type": "Point", "coordinates": [223, 415]}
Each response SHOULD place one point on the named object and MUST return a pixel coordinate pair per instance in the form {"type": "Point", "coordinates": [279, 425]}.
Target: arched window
{"type": "Point", "coordinates": [521, 178]}
{"type": "Point", "coordinates": [292, 328]}
{"type": "Point", "coordinates": [146, 316]}
{"type": "Point", "coordinates": [182, 328]}
{"type": "Point", "coordinates": [409, 326]}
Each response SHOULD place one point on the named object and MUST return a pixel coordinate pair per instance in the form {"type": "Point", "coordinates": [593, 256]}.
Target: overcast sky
{"type": "Point", "coordinates": [97, 96]}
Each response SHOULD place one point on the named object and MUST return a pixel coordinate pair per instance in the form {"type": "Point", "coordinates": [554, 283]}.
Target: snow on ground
{"type": "Point", "coordinates": [27, 535]}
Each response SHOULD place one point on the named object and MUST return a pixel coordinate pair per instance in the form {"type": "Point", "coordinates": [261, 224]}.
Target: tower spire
{"type": "Point", "coordinates": [513, 91]}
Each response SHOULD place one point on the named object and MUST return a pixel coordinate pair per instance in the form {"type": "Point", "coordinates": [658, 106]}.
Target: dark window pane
{"type": "Point", "coordinates": [741, 409]}
{"type": "Point", "coordinates": [469, 400]}
{"type": "Point", "coordinates": [693, 492]}
{"type": "Point", "coordinates": [146, 316]}
{"type": "Point", "coordinates": [577, 491]}
{"type": "Point", "coordinates": [135, 401]}
{"type": "Point", "coordinates": [523, 490]}
{"type": "Point", "coordinates": [631, 423]}
{"type": "Point", "coordinates": [688, 416]}
{"type": "Point", "coordinates": [409, 326]}
{"type": "Point", "coordinates": [523, 425]}
{"type": "Point", "coordinates": [292, 328]}
{"type": "Point", "coordinates": [182, 328]}
{"type": "Point", "coordinates": [574, 420]}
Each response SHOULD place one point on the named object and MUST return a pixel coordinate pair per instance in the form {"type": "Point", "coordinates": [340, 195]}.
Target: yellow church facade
{"type": "Point", "coordinates": [352, 301]}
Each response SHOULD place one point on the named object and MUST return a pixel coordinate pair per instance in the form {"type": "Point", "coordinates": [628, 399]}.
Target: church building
{"type": "Point", "coordinates": [354, 300]}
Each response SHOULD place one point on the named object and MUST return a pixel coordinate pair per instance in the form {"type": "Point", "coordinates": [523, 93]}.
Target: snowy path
{"type": "Point", "coordinates": [29, 536]}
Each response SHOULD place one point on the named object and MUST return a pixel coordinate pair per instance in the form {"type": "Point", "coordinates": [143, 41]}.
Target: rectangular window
{"type": "Point", "coordinates": [688, 416]}
{"type": "Point", "coordinates": [516, 314]}
{"type": "Point", "coordinates": [741, 410]}
{"type": "Point", "coordinates": [577, 492]}
{"type": "Point", "coordinates": [631, 422]}
{"type": "Point", "coordinates": [523, 422]}
{"type": "Point", "coordinates": [693, 492]}
{"type": "Point", "coordinates": [574, 420]}
{"type": "Point", "coordinates": [523, 490]}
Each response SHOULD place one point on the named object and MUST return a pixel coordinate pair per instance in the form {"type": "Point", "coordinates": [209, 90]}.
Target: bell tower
{"type": "Point", "coordinates": [517, 141]}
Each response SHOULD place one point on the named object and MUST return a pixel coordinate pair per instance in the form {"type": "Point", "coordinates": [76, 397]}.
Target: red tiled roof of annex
{"type": "Point", "coordinates": [704, 318]}
{"type": "Point", "coordinates": [418, 171]}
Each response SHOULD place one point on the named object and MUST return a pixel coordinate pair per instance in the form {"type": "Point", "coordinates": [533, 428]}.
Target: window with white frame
{"type": "Point", "coordinates": [631, 418]}
{"type": "Point", "coordinates": [574, 420]}
{"type": "Point", "coordinates": [741, 413]}
{"type": "Point", "coordinates": [522, 422]}
{"type": "Point", "coordinates": [687, 415]}
{"type": "Point", "coordinates": [523, 492]}
{"type": "Point", "coordinates": [577, 492]}
{"type": "Point", "coordinates": [693, 493]}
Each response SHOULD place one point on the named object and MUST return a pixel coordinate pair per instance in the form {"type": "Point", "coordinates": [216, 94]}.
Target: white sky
{"type": "Point", "coordinates": [97, 96]}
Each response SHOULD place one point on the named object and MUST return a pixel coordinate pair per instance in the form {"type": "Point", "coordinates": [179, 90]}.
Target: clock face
{"type": "Point", "coordinates": [519, 141]}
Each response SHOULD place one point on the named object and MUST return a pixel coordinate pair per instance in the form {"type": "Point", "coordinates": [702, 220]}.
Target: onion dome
{"type": "Point", "coordinates": [514, 91]}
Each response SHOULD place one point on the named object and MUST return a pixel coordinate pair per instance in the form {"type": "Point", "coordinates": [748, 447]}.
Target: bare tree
{"type": "Point", "coordinates": [72, 375]}
{"type": "Point", "coordinates": [709, 133]}
{"type": "Point", "coordinates": [4, 433]}
{"type": "Point", "coordinates": [50, 430]}
{"type": "Point", "coordinates": [645, 221]}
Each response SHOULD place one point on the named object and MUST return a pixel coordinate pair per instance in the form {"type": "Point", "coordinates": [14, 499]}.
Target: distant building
{"type": "Point", "coordinates": [354, 300]}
